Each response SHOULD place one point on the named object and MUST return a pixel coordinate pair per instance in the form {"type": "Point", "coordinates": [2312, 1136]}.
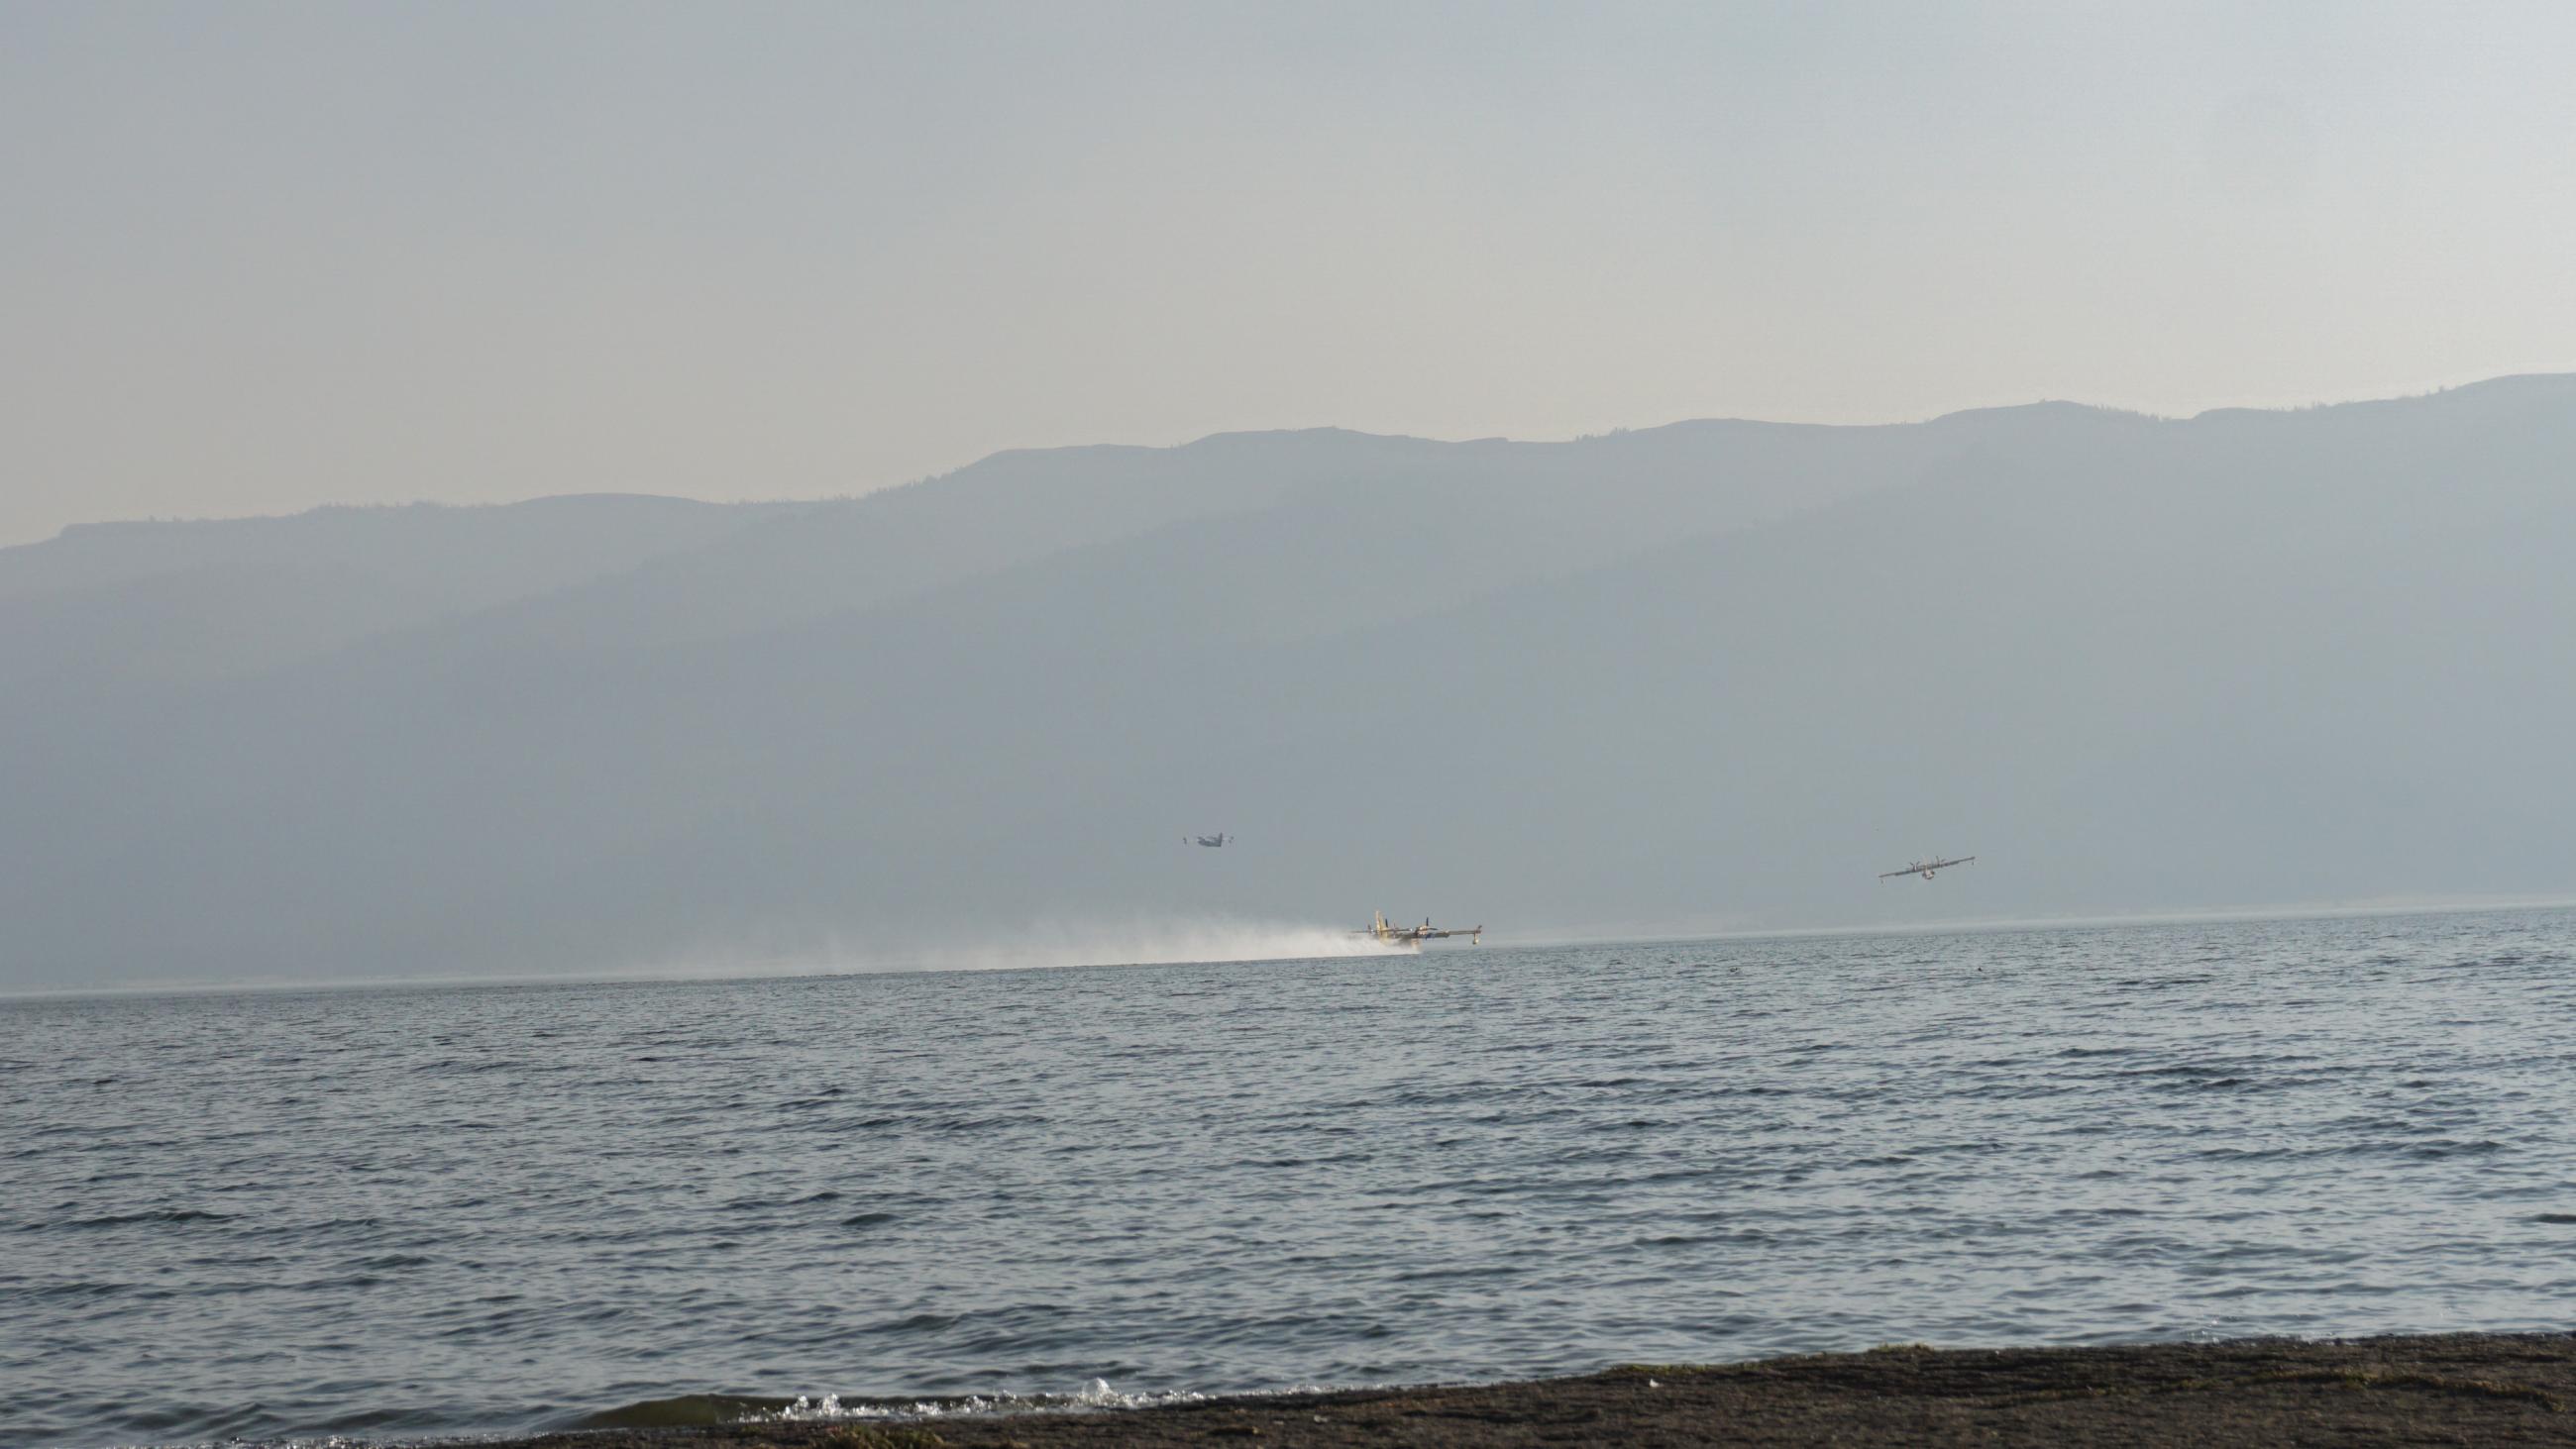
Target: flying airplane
{"type": "Point", "coordinates": [1412, 937]}
{"type": "Point", "coordinates": [1211, 841]}
{"type": "Point", "coordinates": [1924, 868]}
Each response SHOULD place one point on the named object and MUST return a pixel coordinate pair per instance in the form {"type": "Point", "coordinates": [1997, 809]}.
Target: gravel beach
{"type": "Point", "coordinates": [2485, 1389]}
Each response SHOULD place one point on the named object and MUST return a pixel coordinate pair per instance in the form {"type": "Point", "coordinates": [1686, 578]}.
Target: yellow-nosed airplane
{"type": "Point", "coordinates": [1412, 937]}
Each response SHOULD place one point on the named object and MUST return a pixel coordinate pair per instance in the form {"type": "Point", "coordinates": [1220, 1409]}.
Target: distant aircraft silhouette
{"type": "Point", "coordinates": [1924, 868]}
{"type": "Point", "coordinates": [1210, 841]}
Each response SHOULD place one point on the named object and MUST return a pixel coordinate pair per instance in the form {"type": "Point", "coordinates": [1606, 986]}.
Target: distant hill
{"type": "Point", "coordinates": [203, 600]}
{"type": "Point", "coordinates": [1715, 673]}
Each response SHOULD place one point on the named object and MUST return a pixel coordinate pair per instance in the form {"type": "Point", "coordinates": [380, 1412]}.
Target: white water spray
{"type": "Point", "coordinates": [1038, 945]}
{"type": "Point", "coordinates": [1146, 943]}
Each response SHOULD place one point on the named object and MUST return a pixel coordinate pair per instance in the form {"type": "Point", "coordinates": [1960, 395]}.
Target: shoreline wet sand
{"type": "Point", "coordinates": [2485, 1389]}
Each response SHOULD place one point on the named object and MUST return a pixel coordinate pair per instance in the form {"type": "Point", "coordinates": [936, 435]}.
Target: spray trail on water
{"type": "Point", "coordinates": [1036, 945]}
{"type": "Point", "coordinates": [1153, 943]}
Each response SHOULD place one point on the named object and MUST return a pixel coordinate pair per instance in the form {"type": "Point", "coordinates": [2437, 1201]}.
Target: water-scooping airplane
{"type": "Point", "coordinates": [1412, 937]}
{"type": "Point", "coordinates": [1210, 841]}
{"type": "Point", "coordinates": [1924, 868]}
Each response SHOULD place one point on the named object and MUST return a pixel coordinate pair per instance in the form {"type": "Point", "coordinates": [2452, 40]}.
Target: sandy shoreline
{"type": "Point", "coordinates": [2482, 1389]}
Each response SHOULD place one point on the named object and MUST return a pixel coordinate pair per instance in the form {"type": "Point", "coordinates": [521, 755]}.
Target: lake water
{"type": "Point", "coordinates": [397, 1213]}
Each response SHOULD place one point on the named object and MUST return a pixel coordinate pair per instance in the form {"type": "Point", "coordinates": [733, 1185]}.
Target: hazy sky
{"type": "Point", "coordinates": [255, 257]}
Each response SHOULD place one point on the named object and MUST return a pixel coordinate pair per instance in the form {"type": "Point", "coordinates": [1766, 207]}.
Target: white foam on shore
{"type": "Point", "coordinates": [1096, 1394]}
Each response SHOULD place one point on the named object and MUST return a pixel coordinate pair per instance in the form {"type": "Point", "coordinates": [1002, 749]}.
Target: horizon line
{"type": "Point", "coordinates": [773, 971]}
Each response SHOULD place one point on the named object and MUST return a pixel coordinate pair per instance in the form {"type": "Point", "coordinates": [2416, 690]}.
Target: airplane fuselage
{"type": "Point", "coordinates": [1925, 868]}
{"type": "Point", "coordinates": [1410, 938]}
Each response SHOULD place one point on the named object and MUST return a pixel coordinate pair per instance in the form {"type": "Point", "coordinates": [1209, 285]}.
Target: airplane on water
{"type": "Point", "coordinates": [1924, 868]}
{"type": "Point", "coordinates": [1210, 841]}
{"type": "Point", "coordinates": [1412, 937]}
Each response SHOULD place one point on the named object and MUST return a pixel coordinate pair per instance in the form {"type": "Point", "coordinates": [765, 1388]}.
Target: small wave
{"type": "Point", "coordinates": [682, 1412]}
{"type": "Point", "coordinates": [2453, 1147]}
{"type": "Point", "coordinates": [758, 1203]}
{"type": "Point", "coordinates": [121, 1220]}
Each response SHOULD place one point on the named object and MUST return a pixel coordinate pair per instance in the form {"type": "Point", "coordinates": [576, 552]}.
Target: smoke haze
{"type": "Point", "coordinates": [262, 256]}
{"type": "Point", "coordinates": [1710, 676]}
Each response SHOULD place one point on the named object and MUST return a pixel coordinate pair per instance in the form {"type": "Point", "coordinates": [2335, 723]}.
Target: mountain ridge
{"type": "Point", "coordinates": [2139, 664]}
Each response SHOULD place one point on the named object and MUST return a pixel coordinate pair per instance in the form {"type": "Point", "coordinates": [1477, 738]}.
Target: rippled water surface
{"type": "Point", "coordinates": [407, 1212]}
